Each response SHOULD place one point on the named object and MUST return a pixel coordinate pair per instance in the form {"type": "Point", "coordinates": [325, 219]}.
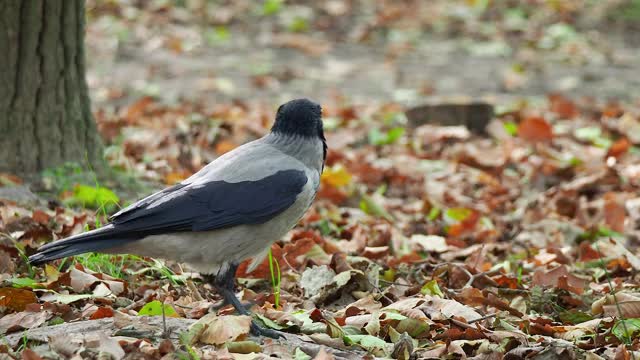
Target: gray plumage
{"type": "Point", "coordinates": [230, 210]}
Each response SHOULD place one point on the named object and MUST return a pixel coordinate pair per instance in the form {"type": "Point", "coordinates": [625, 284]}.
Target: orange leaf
{"type": "Point", "coordinates": [587, 253]}
{"type": "Point", "coordinates": [404, 259]}
{"type": "Point", "coordinates": [335, 195]}
{"type": "Point", "coordinates": [614, 212]}
{"type": "Point", "coordinates": [225, 146]}
{"type": "Point", "coordinates": [40, 217]}
{"type": "Point", "coordinates": [619, 148]}
{"type": "Point", "coordinates": [138, 108]}
{"type": "Point", "coordinates": [562, 106]}
{"type": "Point", "coordinates": [10, 179]}
{"type": "Point", "coordinates": [28, 354]}
{"type": "Point", "coordinates": [175, 177]}
{"type": "Point", "coordinates": [535, 129]}
{"type": "Point", "coordinates": [16, 299]}
{"type": "Point", "coordinates": [466, 225]}
{"type": "Point", "coordinates": [103, 312]}
{"type": "Point", "coordinates": [506, 282]}
{"type": "Point", "coordinates": [561, 278]}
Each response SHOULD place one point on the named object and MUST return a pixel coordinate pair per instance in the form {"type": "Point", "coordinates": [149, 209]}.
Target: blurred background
{"type": "Point", "coordinates": [176, 83]}
{"type": "Point", "coordinates": [273, 50]}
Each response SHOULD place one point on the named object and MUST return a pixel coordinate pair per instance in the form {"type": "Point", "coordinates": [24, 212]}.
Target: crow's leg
{"type": "Point", "coordinates": [224, 283]}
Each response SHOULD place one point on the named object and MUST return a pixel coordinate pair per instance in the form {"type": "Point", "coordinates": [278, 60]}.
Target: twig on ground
{"type": "Point", "coordinates": [194, 290]}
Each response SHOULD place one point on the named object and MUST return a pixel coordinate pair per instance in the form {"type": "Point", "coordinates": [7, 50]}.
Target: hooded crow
{"type": "Point", "coordinates": [232, 209]}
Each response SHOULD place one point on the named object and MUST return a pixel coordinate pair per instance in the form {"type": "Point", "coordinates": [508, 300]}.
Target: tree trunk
{"type": "Point", "coordinates": [45, 115]}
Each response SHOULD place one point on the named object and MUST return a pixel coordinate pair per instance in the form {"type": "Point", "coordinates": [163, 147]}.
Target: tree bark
{"type": "Point", "coordinates": [45, 115]}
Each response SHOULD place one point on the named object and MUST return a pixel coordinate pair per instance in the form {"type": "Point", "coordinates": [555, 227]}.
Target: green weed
{"type": "Point", "coordinates": [112, 265]}
{"type": "Point", "coordinates": [378, 137]}
{"type": "Point", "coordinates": [622, 326]}
{"type": "Point", "coordinates": [186, 339]}
{"type": "Point", "coordinates": [157, 266]}
{"type": "Point", "coordinates": [271, 7]}
{"type": "Point", "coordinates": [274, 269]}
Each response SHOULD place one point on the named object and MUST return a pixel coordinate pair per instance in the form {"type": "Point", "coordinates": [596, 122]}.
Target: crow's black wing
{"type": "Point", "coordinates": [213, 205]}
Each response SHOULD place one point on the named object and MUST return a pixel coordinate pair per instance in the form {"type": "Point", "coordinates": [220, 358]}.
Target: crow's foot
{"type": "Point", "coordinates": [258, 330]}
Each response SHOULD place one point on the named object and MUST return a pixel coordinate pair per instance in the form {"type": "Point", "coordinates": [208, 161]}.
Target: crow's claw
{"type": "Point", "coordinates": [258, 330]}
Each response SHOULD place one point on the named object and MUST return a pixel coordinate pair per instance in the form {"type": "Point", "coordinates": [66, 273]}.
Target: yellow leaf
{"type": "Point", "coordinates": [336, 176]}
{"type": "Point", "coordinates": [51, 272]}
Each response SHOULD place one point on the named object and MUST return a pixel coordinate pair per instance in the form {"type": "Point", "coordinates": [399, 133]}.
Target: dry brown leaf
{"type": "Point", "coordinates": [28, 354]}
{"type": "Point", "coordinates": [111, 346]}
{"type": "Point", "coordinates": [137, 109]}
{"type": "Point", "coordinates": [7, 265]}
{"type": "Point", "coordinates": [17, 299]}
{"type": "Point", "coordinates": [535, 129]}
{"type": "Point", "coordinates": [323, 355]}
{"type": "Point", "coordinates": [221, 329]}
{"type": "Point", "coordinates": [22, 320]}
{"type": "Point", "coordinates": [102, 312]}
{"type": "Point", "coordinates": [560, 277]}
{"type": "Point", "coordinates": [622, 305]}
{"type": "Point", "coordinates": [576, 332]}
{"type": "Point", "coordinates": [442, 309]}
{"type": "Point", "coordinates": [562, 106]}
{"type": "Point", "coordinates": [308, 44]}
{"type": "Point", "coordinates": [611, 247]}
{"type": "Point", "coordinates": [81, 281]}
{"type": "Point", "coordinates": [619, 148]}
{"type": "Point", "coordinates": [225, 146]}
{"type": "Point", "coordinates": [365, 305]}
{"type": "Point", "coordinates": [614, 212]}
{"type": "Point", "coordinates": [41, 217]}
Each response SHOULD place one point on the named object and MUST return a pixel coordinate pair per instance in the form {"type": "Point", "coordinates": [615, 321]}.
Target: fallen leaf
{"type": "Point", "coordinates": [559, 276]}
{"type": "Point", "coordinates": [428, 243]}
{"type": "Point", "coordinates": [102, 312]}
{"type": "Point", "coordinates": [562, 106]}
{"type": "Point", "coordinates": [28, 354]}
{"type": "Point", "coordinates": [622, 305]}
{"type": "Point", "coordinates": [371, 344]}
{"type": "Point", "coordinates": [225, 146]}
{"type": "Point", "coordinates": [323, 355]}
{"type": "Point", "coordinates": [137, 109]}
{"type": "Point", "coordinates": [619, 148]}
{"type": "Point", "coordinates": [81, 281]}
{"type": "Point", "coordinates": [315, 278]}
{"type": "Point", "coordinates": [41, 217]}
{"type": "Point", "coordinates": [535, 129]}
{"type": "Point", "coordinates": [157, 308]}
{"type": "Point", "coordinates": [54, 297]}
{"type": "Point", "coordinates": [442, 309]}
{"type": "Point", "coordinates": [243, 347]}
{"type": "Point", "coordinates": [336, 176]}
{"type": "Point", "coordinates": [22, 320]}
{"type": "Point", "coordinates": [218, 330]}
{"type": "Point", "coordinates": [16, 299]}
{"type": "Point", "coordinates": [111, 346]}
{"type": "Point", "coordinates": [610, 247]}
{"type": "Point", "coordinates": [614, 212]}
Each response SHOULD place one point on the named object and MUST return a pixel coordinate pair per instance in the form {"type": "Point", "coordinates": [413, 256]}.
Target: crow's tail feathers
{"type": "Point", "coordinates": [95, 240]}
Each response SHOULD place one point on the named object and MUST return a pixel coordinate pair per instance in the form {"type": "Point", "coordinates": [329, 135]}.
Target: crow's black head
{"type": "Point", "coordinates": [299, 117]}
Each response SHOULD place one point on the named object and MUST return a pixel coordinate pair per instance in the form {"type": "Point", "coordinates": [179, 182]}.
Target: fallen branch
{"type": "Point", "coordinates": [146, 324]}
{"type": "Point", "coordinates": [151, 327]}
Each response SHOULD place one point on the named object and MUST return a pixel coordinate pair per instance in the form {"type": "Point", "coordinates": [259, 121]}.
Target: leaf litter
{"type": "Point", "coordinates": [537, 248]}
